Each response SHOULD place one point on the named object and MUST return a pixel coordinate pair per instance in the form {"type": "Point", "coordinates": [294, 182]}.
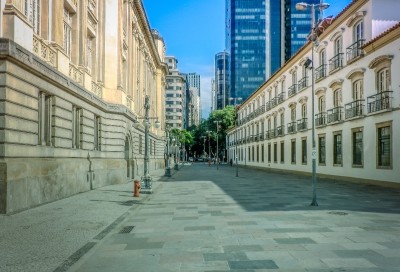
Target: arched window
{"type": "Point", "coordinates": [358, 92]}
{"type": "Point", "coordinates": [337, 98]}
{"type": "Point", "coordinates": [383, 80]}
{"type": "Point", "coordinates": [304, 110]}
{"type": "Point", "coordinates": [293, 114]}
{"type": "Point", "coordinates": [321, 104]}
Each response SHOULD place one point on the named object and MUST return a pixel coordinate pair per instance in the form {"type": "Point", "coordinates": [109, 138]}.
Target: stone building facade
{"type": "Point", "coordinates": [73, 80]}
{"type": "Point", "coordinates": [356, 102]}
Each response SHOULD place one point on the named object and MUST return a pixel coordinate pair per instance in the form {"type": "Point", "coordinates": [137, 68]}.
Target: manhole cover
{"type": "Point", "coordinates": [126, 229]}
{"type": "Point", "coordinates": [338, 213]}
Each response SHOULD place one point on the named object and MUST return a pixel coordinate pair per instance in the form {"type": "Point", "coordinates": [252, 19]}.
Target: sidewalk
{"type": "Point", "coordinates": [44, 238]}
{"type": "Point", "coordinates": [203, 219]}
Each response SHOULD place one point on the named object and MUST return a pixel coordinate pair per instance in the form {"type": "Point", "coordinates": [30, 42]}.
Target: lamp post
{"type": "Point", "coordinates": [235, 99]}
{"type": "Point", "coordinates": [217, 122]}
{"type": "Point", "coordinates": [167, 167]}
{"type": "Point", "coordinates": [146, 178]}
{"type": "Point", "coordinates": [175, 141]}
{"type": "Point", "coordinates": [204, 144]}
{"type": "Point", "coordinates": [313, 39]}
{"type": "Point", "coordinates": [209, 147]}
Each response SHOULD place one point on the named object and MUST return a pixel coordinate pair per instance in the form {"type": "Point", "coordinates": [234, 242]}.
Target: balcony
{"type": "Point", "coordinates": [380, 101]}
{"type": "Point", "coordinates": [336, 63]}
{"type": "Point", "coordinates": [354, 109]}
{"type": "Point", "coordinates": [280, 131]}
{"type": "Point", "coordinates": [320, 72]}
{"type": "Point", "coordinates": [320, 119]}
{"type": "Point", "coordinates": [302, 124]}
{"type": "Point", "coordinates": [291, 127]}
{"type": "Point", "coordinates": [261, 136]}
{"type": "Point", "coordinates": [272, 134]}
{"type": "Point", "coordinates": [44, 51]}
{"type": "Point", "coordinates": [292, 90]}
{"type": "Point", "coordinates": [302, 83]}
{"type": "Point", "coordinates": [268, 106]}
{"type": "Point", "coordinates": [274, 102]}
{"type": "Point", "coordinates": [267, 135]}
{"type": "Point", "coordinates": [75, 74]}
{"type": "Point", "coordinates": [335, 115]}
{"type": "Point", "coordinates": [354, 50]}
{"type": "Point", "coordinates": [281, 97]}
{"type": "Point", "coordinates": [256, 138]}
{"type": "Point", "coordinates": [98, 90]}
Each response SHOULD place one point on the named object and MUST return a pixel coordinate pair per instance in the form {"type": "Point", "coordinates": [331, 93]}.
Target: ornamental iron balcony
{"type": "Point", "coordinates": [355, 50]}
{"type": "Point", "coordinates": [267, 135]}
{"type": "Point", "coordinates": [280, 131]}
{"type": "Point", "coordinates": [335, 115]}
{"type": "Point", "coordinates": [281, 97]}
{"type": "Point", "coordinates": [261, 136]}
{"type": "Point", "coordinates": [336, 62]}
{"type": "Point", "coordinates": [354, 109]}
{"type": "Point", "coordinates": [380, 101]}
{"type": "Point", "coordinates": [291, 127]}
{"type": "Point", "coordinates": [302, 83]}
{"type": "Point", "coordinates": [274, 102]}
{"type": "Point", "coordinates": [272, 134]}
{"type": "Point", "coordinates": [256, 137]}
{"type": "Point", "coordinates": [320, 72]}
{"type": "Point", "coordinates": [320, 119]}
{"type": "Point", "coordinates": [268, 106]}
{"type": "Point", "coordinates": [302, 124]}
{"type": "Point", "coordinates": [292, 90]}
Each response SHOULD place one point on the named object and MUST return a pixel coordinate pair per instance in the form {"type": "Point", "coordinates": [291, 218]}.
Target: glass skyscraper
{"type": "Point", "coordinates": [222, 80]}
{"type": "Point", "coordinates": [260, 37]}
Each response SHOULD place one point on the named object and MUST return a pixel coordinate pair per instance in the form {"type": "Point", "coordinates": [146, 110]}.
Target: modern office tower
{"type": "Point", "coordinates": [174, 97]}
{"type": "Point", "coordinates": [222, 80]}
{"type": "Point", "coordinates": [261, 36]}
{"type": "Point", "coordinates": [213, 96]}
{"type": "Point", "coordinates": [193, 80]}
{"type": "Point", "coordinates": [192, 107]}
{"type": "Point", "coordinates": [75, 77]}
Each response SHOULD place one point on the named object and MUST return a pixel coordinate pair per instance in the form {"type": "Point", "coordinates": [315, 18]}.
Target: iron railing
{"type": "Point", "coordinates": [320, 72]}
{"type": "Point", "coordinates": [291, 127]}
{"type": "Point", "coordinates": [302, 124]}
{"type": "Point", "coordinates": [292, 90]}
{"type": "Point", "coordinates": [355, 50]}
{"type": "Point", "coordinates": [336, 62]}
{"type": "Point", "coordinates": [320, 119]}
{"type": "Point", "coordinates": [302, 83]}
{"type": "Point", "coordinates": [380, 101]}
{"type": "Point", "coordinates": [335, 115]}
{"type": "Point", "coordinates": [354, 109]}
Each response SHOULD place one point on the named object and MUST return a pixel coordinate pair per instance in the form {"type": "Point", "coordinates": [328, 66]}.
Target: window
{"type": "Point", "coordinates": [321, 104]}
{"type": "Point", "coordinates": [45, 119]}
{"type": "Point", "coordinates": [357, 147]}
{"type": "Point", "coordinates": [304, 110]}
{"type": "Point", "coordinates": [337, 149]}
{"type": "Point", "coordinates": [97, 133]}
{"type": "Point", "coordinates": [338, 46]}
{"type": "Point", "coordinates": [384, 146]}
{"type": "Point", "coordinates": [76, 127]}
{"type": "Point", "coordinates": [282, 119]}
{"type": "Point", "coordinates": [357, 90]}
{"type": "Point", "coordinates": [36, 16]}
{"type": "Point", "coordinates": [321, 150]}
{"type": "Point", "coordinates": [262, 153]}
{"type": "Point", "coordinates": [293, 151]}
{"type": "Point", "coordinates": [322, 57]}
{"type": "Point", "coordinates": [383, 80]}
{"type": "Point", "coordinates": [304, 151]}
{"type": "Point", "coordinates": [282, 152]}
{"type": "Point", "coordinates": [337, 98]}
{"type": "Point", "coordinates": [89, 53]}
{"type": "Point", "coordinates": [275, 152]}
{"type": "Point", "coordinates": [252, 153]}
{"type": "Point", "coordinates": [269, 152]}
{"type": "Point", "coordinates": [67, 32]}
{"type": "Point", "coordinates": [358, 31]}
{"type": "Point", "coordinates": [258, 153]}
{"type": "Point", "coordinates": [293, 114]}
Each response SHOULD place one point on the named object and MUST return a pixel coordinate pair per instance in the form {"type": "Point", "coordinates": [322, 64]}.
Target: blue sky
{"type": "Point", "coordinates": [194, 31]}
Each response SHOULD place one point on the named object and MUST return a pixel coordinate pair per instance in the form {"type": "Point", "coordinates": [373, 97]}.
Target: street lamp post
{"type": "Point", "coordinates": [313, 39]}
{"type": "Point", "coordinates": [209, 147]}
{"type": "Point", "coordinates": [217, 122]}
{"type": "Point", "coordinates": [204, 144]}
{"type": "Point", "coordinates": [235, 99]}
{"type": "Point", "coordinates": [146, 178]}
{"type": "Point", "coordinates": [167, 167]}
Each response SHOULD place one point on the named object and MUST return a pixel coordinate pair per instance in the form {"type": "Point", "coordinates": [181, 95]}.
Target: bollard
{"type": "Point", "coordinates": [136, 188]}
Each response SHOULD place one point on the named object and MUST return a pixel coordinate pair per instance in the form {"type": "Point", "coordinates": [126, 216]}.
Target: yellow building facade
{"type": "Point", "coordinates": [73, 80]}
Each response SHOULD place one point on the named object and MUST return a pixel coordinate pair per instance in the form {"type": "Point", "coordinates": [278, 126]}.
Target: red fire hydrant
{"type": "Point", "coordinates": [136, 188]}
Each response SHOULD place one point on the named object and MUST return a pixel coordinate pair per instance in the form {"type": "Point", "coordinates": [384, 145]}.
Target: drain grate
{"type": "Point", "coordinates": [338, 213]}
{"type": "Point", "coordinates": [126, 229]}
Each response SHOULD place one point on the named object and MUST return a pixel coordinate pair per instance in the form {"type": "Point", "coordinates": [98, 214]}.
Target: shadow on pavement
{"type": "Point", "coordinates": [259, 190]}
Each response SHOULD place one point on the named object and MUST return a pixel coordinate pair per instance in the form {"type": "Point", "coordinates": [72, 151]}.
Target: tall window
{"type": "Point", "coordinates": [76, 127]}
{"type": "Point", "coordinates": [304, 110]}
{"type": "Point", "coordinates": [275, 152]}
{"type": "Point", "coordinates": [36, 16]}
{"type": "Point", "coordinates": [322, 58]}
{"type": "Point", "coordinates": [293, 114]}
{"type": "Point", "coordinates": [321, 104]}
{"type": "Point", "coordinates": [258, 153]}
{"type": "Point", "coordinates": [384, 146]}
{"type": "Point", "coordinates": [337, 98]}
{"type": "Point", "coordinates": [294, 77]}
{"type": "Point", "coordinates": [357, 90]}
{"type": "Point", "coordinates": [304, 151]}
{"type": "Point", "coordinates": [252, 153]}
{"type": "Point", "coordinates": [321, 150]}
{"type": "Point", "coordinates": [282, 152]}
{"type": "Point", "coordinates": [269, 152]}
{"type": "Point", "coordinates": [337, 149]}
{"type": "Point", "coordinates": [67, 32]}
{"type": "Point", "coordinates": [97, 133]}
{"type": "Point", "coordinates": [383, 80]}
{"type": "Point", "coordinates": [338, 46]}
{"type": "Point", "coordinates": [89, 45]}
{"type": "Point", "coordinates": [45, 118]}
{"type": "Point", "coordinates": [358, 31]}
{"type": "Point", "coordinates": [282, 119]}
{"type": "Point", "coordinates": [357, 147]}
{"type": "Point", "coordinates": [293, 151]}
{"type": "Point", "coordinates": [262, 153]}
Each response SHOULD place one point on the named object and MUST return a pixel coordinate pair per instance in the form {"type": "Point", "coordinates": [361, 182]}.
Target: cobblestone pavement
{"type": "Point", "coordinates": [204, 219]}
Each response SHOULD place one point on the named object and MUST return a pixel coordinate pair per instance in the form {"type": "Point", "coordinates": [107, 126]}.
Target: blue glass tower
{"type": "Point", "coordinates": [260, 37]}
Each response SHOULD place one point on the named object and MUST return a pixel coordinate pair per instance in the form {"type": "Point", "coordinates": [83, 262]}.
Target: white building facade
{"type": "Point", "coordinates": [357, 103]}
{"type": "Point", "coordinates": [175, 95]}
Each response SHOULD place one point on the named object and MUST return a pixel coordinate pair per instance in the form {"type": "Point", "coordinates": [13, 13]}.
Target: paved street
{"type": "Point", "coordinates": [204, 219]}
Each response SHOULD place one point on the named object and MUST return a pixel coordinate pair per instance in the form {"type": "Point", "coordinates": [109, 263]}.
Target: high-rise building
{"type": "Point", "coordinates": [175, 93]}
{"type": "Point", "coordinates": [260, 37]}
{"type": "Point", "coordinates": [193, 80]}
{"type": "Point", "coordinates": [222, 80]}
